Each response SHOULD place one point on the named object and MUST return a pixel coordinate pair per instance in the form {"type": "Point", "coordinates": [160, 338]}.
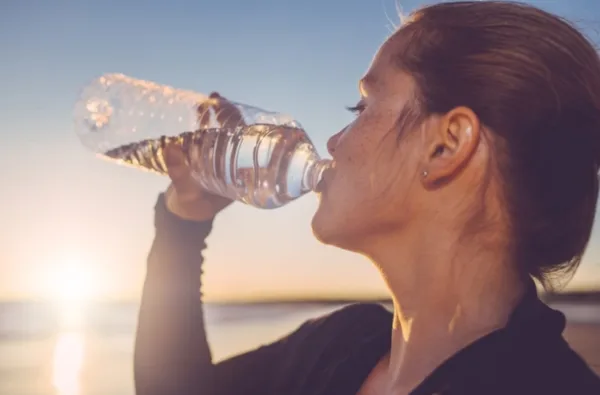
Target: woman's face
{"type": "Point", "coordinates": [374, 186]}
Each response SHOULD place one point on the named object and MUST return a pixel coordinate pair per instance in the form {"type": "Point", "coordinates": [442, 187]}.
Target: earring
{"type": "Point", "coordinates": [425, 173]}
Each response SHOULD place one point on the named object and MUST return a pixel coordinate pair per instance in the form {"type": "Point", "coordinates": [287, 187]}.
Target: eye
{"type": "Point", "coordinates": [357, 109]}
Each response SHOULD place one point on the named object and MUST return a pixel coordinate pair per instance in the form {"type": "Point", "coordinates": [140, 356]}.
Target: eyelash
{"type": "Point", "coordinates": [357, 109]}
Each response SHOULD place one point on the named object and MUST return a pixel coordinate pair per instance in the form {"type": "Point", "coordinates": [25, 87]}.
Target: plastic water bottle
{"type": "Point", "coordinates": [262, 158]}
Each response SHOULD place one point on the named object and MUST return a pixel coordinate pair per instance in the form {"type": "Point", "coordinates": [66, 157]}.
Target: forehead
{"type": "Point", "coordinates": [384, 73]}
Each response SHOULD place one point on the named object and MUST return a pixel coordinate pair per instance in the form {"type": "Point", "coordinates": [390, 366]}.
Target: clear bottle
{"type": "Point", "coordinates": [262, 158]}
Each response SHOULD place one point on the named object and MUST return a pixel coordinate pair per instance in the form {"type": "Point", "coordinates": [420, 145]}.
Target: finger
{"type": "Point", "coordinates": [203, 114]}
{"type": "Point", "coordinates": [228, 115]}
{"type": "Point", "coordinates": [177, 166]}
{"type": "Point", "coordinates": [204, 110]}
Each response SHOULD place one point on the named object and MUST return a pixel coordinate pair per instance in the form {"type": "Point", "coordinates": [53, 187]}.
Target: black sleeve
{"type": "Point", "coordinates": [172, 355]}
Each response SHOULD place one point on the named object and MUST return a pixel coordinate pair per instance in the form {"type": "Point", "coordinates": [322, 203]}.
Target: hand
{"type": "Point", "coordinates": [227, 115]}
{"type": "Point", "coordinates": [185, 197]}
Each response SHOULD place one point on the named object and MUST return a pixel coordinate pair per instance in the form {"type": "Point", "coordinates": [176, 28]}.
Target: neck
{"type": "Point", "coordinates": [446, 295]}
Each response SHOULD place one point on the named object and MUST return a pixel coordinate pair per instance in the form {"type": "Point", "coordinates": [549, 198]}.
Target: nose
{"type": "Point", "coordinates": [333, 142]}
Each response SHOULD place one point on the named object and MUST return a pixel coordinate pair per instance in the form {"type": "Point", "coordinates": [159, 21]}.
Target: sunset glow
{"type": "Point", "coordinates": [71, 282]}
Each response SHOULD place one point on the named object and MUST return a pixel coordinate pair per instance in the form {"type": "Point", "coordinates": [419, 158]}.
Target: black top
{"type": "Point", "coordinates": [332, 354]}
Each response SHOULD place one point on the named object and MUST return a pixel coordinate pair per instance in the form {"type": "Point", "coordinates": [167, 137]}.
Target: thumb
{"type": "Point", "coordinates": [178, 168]}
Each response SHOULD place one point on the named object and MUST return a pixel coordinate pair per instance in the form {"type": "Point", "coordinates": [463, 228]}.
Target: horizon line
{"type": "Point", "coordinates": [578, 294]}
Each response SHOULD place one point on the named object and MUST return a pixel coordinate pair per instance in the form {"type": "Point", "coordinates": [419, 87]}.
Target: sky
{"type": "Point", "coordinates": [74, 222]}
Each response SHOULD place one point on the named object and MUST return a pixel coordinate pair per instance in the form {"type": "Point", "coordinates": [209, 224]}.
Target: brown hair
{"type": "Point", "coordinates": [534, 82]}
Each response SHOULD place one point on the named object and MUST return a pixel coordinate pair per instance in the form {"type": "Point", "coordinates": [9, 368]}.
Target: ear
{"type": "Point", "coordinates": [453, 141]}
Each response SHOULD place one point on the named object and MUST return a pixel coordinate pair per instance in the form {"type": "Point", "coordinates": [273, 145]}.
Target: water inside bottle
{"type": "Point", "coordinates": [262, 165]}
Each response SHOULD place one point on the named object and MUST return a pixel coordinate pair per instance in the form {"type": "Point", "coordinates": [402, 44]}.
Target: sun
{"type": "Point", "coordinates": [72, 282]}
{"type": "Point", "coordinates": [71, 285]}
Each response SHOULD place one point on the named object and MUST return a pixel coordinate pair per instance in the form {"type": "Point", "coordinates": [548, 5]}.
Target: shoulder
{"type": "Point", "coordinates": [366, 315]}
{"type": "Point", "coordinates": [364, 310]}
{"type": "Point", "coordinates": [345, 325]}
{"type": "Point", "coordinates": [554, 368]}
{"type": "Point", "coordinates": [563, 368]}
{"type": "Point", "coordinates": [352, 337]}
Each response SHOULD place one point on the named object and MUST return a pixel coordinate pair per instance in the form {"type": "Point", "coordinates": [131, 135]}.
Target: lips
{"type": "Point", "coordinates": [320, 186]}
{"type": "Point", "coordinates": [325, 178]}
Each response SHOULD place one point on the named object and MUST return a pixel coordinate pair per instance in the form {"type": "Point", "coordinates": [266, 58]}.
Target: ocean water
{"type": "Point", "coordinates": [88, 350]}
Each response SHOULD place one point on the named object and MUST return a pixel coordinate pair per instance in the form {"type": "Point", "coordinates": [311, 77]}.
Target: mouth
{"type": "Point", "coordinates": [320, 186]}
{"type": "Point", "coordinates": [327, 173]}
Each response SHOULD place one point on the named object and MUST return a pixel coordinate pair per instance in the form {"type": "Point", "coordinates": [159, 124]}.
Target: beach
{"type": "Point", "coordinates": [45, 351]}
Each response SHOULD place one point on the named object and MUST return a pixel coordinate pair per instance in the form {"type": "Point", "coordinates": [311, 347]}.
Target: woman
{"type": "Point", "coordinates": [471, 168]}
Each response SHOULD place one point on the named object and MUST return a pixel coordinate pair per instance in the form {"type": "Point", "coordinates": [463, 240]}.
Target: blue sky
{"type": "Point", "coordinates": [61, 204]}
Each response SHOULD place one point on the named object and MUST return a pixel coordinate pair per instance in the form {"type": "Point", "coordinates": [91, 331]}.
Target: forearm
{"type": "Point", "coordinates": [172, 355]}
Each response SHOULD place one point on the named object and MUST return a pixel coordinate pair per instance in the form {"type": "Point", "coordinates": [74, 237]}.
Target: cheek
{"type": "Point", "coordinates": [371, 185]}
{"type": "Point", "coordinates": [363, 188]}
{"type": "Point", "coordinates": [369, 165]}
{"type": "Point", "coordinates": [357, 146]}
{"type": "Point", "coordinates": [368, 137]}
{"type": "Point", "coordinates": [378, 187]}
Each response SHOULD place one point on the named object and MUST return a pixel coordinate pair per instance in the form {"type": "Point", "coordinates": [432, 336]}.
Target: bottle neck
{"type": "Point", "coordinates": [313, 174]}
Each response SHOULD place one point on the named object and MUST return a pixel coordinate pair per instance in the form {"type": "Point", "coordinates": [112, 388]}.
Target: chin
{"type": "Point", "coordinates": [323, 227]}
{"type": "Point", "coordinates": [328, 229]}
